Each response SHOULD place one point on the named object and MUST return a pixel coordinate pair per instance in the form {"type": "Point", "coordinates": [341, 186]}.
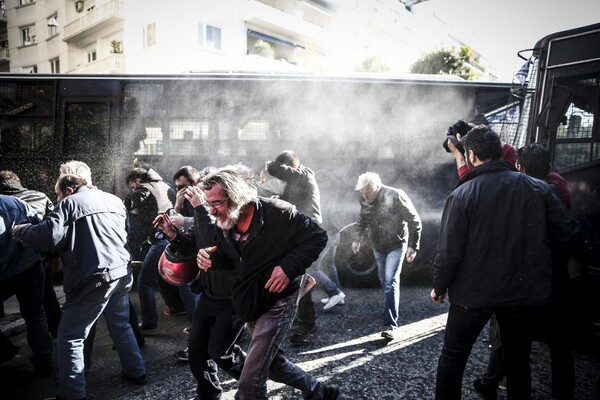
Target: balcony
{"type": "Point", "coordinates": [94, 21]}
{"type": "Point", "coordinates": [272, 20]}
{"type": "Point", "coordinates": [4, 54]}
{"type": "Point", "coordinates": [113, 64]}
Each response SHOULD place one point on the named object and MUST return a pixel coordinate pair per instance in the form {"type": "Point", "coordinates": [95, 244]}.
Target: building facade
{"type": "Point", "coordinates": [151, 37]}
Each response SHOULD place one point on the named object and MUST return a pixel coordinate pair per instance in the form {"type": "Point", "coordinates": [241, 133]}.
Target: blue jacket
{"type": "Point", "coordinates": [14, 256]}
{"type": "Point", "coordinates": [89, 229]}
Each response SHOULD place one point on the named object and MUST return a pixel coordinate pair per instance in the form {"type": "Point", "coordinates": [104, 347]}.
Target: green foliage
{"type": "Point", "coordinates": [115, 47]}
{"type": "Point", "coordinates": [445, 62]}
{"type": "Point", "coordinates": [373, 64]}
{"type": "Point", "coordinates": [263, 49]}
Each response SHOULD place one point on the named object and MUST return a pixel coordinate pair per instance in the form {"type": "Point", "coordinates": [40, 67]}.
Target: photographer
{"type": "Point", "coordinates": [453, 144]}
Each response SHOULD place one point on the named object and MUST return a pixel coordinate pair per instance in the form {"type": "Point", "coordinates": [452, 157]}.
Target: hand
{"type": "Point", "coordinates": [355, 247]}
{"type": "Point", "coordinates": [195, 196]}
{"type": "Point", "coordinates": [180, 199]}
{"type": "Point", "coordinates": [163, 223]}
{"type": "Point", "coordinates": [203, 258]}
{"type": "Point", "coordinates": [278, 281]}
{"type": "Point", "coordinates": [16, 229]}
{"type": "Point", "coordinates": [410, 254]}
{"type": "Point", "coordinates": [437, 299]}
{"type": "Point", "coordinates": [177, 220]}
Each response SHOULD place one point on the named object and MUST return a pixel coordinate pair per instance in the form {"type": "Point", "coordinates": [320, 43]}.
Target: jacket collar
{"type": "Point", "coordinates": [486, 168]}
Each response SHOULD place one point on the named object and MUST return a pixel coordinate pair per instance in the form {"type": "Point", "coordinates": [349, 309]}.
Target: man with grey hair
{"type": "Point", "coordinates": [395, 230]}
{"type": "Point", "coordinates": [270, 244]}
{"type": "Point", "coordinates": [77, 168]}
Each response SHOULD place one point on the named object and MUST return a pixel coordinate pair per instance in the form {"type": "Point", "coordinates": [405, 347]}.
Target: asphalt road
{"type": "Point", "coordinates": [347, 351]}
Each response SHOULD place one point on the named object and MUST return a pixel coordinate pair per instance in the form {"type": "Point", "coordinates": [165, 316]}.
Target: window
{"type": "Point", "coordinates": [25, 2]}
{"type": "Point", "coordinates": [55, 66]}
{"type": "Point", "coordinates": [209, 36]}
{"type": "Point", "coordinates": [52, 24]}
{"type": "Point", "coordinates": [91, 55]}
{"type": "Point", "coordinates": [150, 35]}
{"type": "Point", "coordinates": [27, 35]}
{"type": "Point", "coordinates": [32, 69]}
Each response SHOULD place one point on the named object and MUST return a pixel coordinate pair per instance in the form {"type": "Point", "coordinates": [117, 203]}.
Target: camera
{"type": "Point", "coordinates": [460, 127]}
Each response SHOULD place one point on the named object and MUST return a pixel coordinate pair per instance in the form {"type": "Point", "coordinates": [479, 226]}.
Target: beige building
{"type": "Point", "coordinates": [182, 36]}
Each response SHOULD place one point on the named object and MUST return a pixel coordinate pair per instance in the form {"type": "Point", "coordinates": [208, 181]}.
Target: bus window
{"type": "Point", "coordinates": [87, 127]}
{"type": "Point", "coordinates": [26, 122]}
{"type": "Point", "coordinates": [575, 143]}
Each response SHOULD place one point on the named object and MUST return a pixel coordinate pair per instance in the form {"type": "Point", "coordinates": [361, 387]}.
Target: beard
{"type": "Point", "coordinates": [228, 220]}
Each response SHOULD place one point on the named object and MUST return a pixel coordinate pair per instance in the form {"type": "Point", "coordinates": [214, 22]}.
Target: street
{"type": "Point", "coordinates": [347, 351]}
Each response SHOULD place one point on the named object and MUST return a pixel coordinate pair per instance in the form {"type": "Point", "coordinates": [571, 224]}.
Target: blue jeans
{"type": "Point", "coordinates": [28, 286]}
{"type": "Point", "coordinates": [147, 283]}
{"type": "Point", "coordinates": [265, 359]}
{"type": "Point", "coordinates": [80, 312]}
{"type": "Point", "coordinates": [389, 267]}
{"type": "Point", "coordinates": [189, 299]}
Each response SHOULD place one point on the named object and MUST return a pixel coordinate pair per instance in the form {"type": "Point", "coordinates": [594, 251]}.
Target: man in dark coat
{"type": "Point", "coordinates": [494, 257]}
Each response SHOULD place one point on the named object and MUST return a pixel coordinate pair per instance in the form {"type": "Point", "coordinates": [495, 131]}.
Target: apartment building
{"type": "Point", "coordinates": [158, 37]}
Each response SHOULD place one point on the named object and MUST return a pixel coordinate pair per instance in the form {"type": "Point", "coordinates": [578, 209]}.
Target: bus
{"type": "Point", "coordinates": [340, 126]}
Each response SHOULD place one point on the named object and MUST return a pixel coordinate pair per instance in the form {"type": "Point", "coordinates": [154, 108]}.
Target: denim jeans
{"type": "Point", "coordinates": [147, 283]}
{"type": "Point", "coordinates": [189, 299]}
{"type": "Point", "coordinates": [265, 359]}
{"type": "Point", "coordinates": [28, 286]}
{"type": "Point", "coordinates": [80, 312]}
{"type": "Point", "coordinates": [389, 267]}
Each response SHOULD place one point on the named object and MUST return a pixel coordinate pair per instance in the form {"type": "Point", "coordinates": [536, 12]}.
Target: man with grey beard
{"type": "Point", "coordinates": [271, 245]}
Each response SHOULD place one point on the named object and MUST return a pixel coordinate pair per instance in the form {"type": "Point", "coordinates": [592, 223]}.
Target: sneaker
{"type": "Point", "coordinates": [484, 391]}
{"type": "Point", "coordinates": [186, 330]}
{"type": "Point", "coordinates": [330, 392]}
{"type": "Point", "coordinates": [138, 380]}
{"type": "Point", "coordinates": [324, 300]}
{"type": "Point", "coordinates": [183, 355]}
{"type": "Point", "coordinates": [147, 328]}
{"type": "Point", "coordinates": [334, 300]}
{"type": "Point", "coordinates": [173, 313]}
{"type": "Point", "coordinates": [302, 334]}
{"type": "Point", "coordinates": [388, 333]}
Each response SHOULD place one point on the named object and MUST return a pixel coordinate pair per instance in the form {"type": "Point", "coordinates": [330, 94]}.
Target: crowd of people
{"type": "Point", "coordinates": [252, 241]}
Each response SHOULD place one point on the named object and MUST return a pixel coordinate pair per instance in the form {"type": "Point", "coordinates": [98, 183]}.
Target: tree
{"type": "Point", "coordinates": [446, 62]}
{"type": "Point", "coordinates": [373, 64]}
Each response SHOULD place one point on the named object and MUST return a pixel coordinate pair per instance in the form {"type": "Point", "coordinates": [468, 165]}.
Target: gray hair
{"type": "Point", "coordinates": [237, 181]}
{"type": "Point", "coordinates": [80, 168]}
{"type": "Point", "coordinates": [368, 180]}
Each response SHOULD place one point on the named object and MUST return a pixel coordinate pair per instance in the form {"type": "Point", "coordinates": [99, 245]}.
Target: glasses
{"type": "Point", "coordinates": [215, 204]}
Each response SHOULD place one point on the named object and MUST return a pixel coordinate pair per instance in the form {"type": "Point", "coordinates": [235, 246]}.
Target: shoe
{"type": "Point", "coordinates": [388, 333]}
{"type": "Point", "coordinates": [183, 355]}
{"type": "Point", "coordinates": [186, 330]}
{"type": "Point", "coordinates": [9, 354]}
{"type": "Point", "coordinates": [138, 380]}
{"type": "Point", "coordinates": [330, 392]}
{"type": "Point", "coordinates": [173, 313]}
{"type": "Point", "coordinates": [302, 334]}
{"type": "Point", "coordinates": [324, 300]}
{"type": "Point", "coordinates": [334, 300]}
{"type": "Point", "coordinates": [147, 328]}
{"type": "Point", "coordinates": [483, 391]}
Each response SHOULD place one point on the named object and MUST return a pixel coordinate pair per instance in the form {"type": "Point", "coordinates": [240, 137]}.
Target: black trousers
{"type": "Point", "coordinates": [213, 343]}
{"type": "Point", "coordinates": [462, 329]}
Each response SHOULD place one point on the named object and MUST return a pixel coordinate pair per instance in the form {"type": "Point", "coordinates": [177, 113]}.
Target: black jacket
{"type": "Point", "coordinates": [301, 189]}
{"type": "Point", "coordinates": [218, 280]}
{"type": "Point", "coordinates": [278, 235]}
{"type": "Point", "coordinates": [496, 233]}
{"type": "Point", "coordinates": [37, 200]}
{"type": "Point", "coordinates": [391, 219]}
